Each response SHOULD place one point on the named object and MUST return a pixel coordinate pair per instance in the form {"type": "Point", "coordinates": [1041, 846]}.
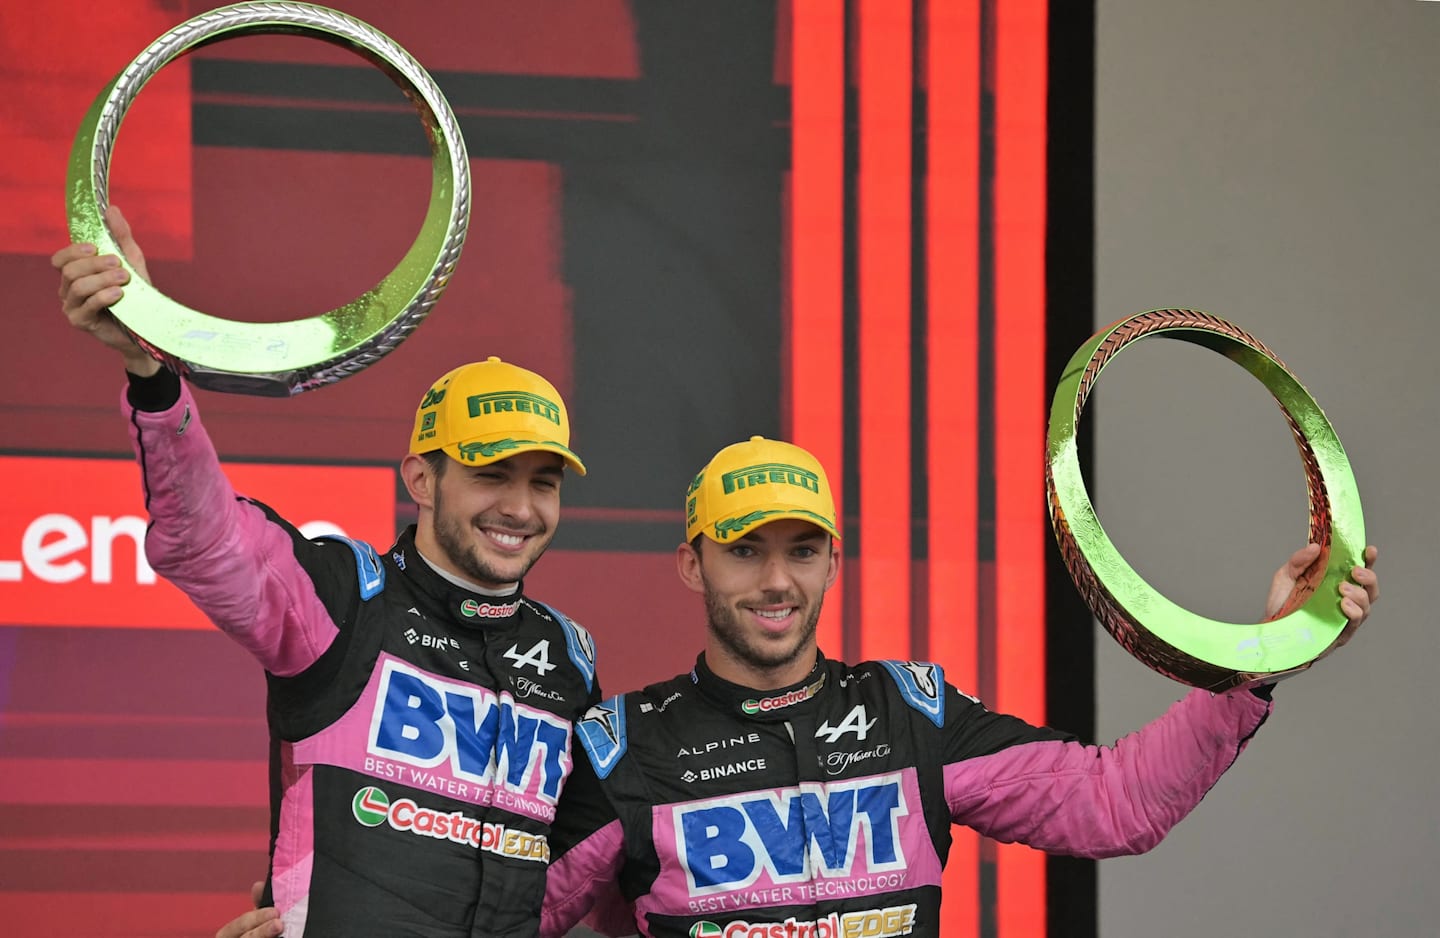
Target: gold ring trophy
{"type": "Point", "coordinates": [282, 358]}
{"type": "Point", "coordinates": [1171, 640]}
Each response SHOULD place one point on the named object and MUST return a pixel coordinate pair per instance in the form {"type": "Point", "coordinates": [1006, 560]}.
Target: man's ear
{"type": "Point", "coordinates": [687, 564]}
{"type": "Point", "coordinates": [420, 480]}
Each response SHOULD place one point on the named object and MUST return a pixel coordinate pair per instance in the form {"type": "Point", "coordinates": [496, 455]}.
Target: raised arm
{"type": "Point", "coordinates": [1064, 797]}
{"type": "Point", "coordinates": [235, 561]}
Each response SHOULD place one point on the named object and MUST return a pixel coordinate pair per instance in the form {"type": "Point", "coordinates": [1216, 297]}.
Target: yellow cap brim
{"type": "Point", "coordinates": [483, 452]}
{"type": "Point", "coordinates": [729, 530]}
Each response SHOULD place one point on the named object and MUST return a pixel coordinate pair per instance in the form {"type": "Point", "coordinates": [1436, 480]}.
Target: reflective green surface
{"type": "Point", "coordinates": [287, 357]}
{"type": "Point", "coordinates": [1167, 638]}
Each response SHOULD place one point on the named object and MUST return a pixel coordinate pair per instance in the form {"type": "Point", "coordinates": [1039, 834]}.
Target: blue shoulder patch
{"type": "Point", "coordinates": [367, 566]}
{"type": "Point", "coordinates": [922, 684]}
{"type": "Point", "coordinates": [577, 642]}
{"type": "Point", "coordinates": [602, 733]}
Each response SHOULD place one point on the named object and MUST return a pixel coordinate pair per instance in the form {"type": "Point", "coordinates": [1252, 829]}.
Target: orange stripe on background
{"type": "Point", "coordinates": [1020, 97]}
{"type": "Point", "coordinates": [885, 80]}
{"type": "Point", "coordinates": [952, 82]}
{"type": "Point", "coordinates": [816, 249]}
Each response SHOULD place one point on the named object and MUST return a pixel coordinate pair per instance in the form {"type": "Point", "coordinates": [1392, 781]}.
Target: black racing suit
{"type": "Point", "coordinates": [421, 732]}
{"type": "Point", "coordinates": [824, 809]}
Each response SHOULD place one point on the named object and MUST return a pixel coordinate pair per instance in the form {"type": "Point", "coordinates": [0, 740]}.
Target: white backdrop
{"type": "Point", "coordinates": [1276, 163]}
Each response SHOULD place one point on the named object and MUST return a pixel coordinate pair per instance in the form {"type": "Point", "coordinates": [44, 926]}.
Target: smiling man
{"type": "Point", "coordinates": [771, 790]}
{"type": "Point", "coordinates": [420, 705]}
{"type": "Point", "coordinates": [766, 510]}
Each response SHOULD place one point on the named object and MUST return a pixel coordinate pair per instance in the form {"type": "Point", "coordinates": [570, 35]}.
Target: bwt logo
{"type": "Point", "coordinates": [485, 738]}
{"type": "Point", "coordinates": [727, 843]}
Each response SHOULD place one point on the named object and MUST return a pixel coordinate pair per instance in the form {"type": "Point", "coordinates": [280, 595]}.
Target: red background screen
{"type": "Point", "coordinates": [817, 220]}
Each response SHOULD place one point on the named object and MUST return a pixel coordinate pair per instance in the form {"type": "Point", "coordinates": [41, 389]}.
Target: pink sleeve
{"type": "Point", "coordinates": [1091, 801]}
{"type": "Point", "coordinates": [582, 882]}
{"type": "Point", "coordinates": [234, 563]}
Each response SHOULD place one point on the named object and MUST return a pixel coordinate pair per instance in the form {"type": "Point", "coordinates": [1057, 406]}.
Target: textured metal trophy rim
{"type": "Point", "coordinates": [1167, 638]}
{"type": "Point", "coordinates": [279, 358]}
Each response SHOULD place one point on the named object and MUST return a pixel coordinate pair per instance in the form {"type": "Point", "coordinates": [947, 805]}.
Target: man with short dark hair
{"type": "Point", "coordinates": [773, 791]}
{"type": "Point", "coordinates": [420, 704]}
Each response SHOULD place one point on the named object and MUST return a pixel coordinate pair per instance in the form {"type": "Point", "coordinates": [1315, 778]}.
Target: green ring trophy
{"type": "Point", "coordinates": [282, 358]}
{"type": "Point", "coordinates": [1171, 640]}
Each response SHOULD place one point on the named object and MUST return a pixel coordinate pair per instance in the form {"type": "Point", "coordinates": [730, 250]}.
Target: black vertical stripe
{"type": "Point", "coordinates": [985, 421]}
{"type": "Point", "coordinates": [1071, 900]}
{"type": "Point", "coordinates": [919, 330]}
{"type": "Point", "coordinates": [851, 325]}
{"type": "Point", "coordinates": [985, 429]}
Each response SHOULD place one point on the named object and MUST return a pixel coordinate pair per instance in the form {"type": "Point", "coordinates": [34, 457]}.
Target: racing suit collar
{"type": "Point", "coordinates": [762, 705]}
{"type": "Point", "coordinates": [453, 601]}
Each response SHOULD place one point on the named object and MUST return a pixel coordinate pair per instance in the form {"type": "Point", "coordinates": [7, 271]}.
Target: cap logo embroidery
{"type": "Point", "coordinates": [784, 474]}
{"type": "Point", "coordinates": [513, 402]}
{"type": "Point", "coordinates": [472, 451]}
{"type": "Point", "coordinates": [723, 529]}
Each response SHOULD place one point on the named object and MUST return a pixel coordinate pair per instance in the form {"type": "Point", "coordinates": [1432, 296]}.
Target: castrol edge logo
{"type": "Point", "coordinates": [72, 533]}
{"type": "Point", "coordinates": [372, 807]}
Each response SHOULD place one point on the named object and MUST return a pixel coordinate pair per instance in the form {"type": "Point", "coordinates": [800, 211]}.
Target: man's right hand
{"type": "Point", "coordinates": [261, 923]}
{"type": "Point", "coordinates": [91, 283]}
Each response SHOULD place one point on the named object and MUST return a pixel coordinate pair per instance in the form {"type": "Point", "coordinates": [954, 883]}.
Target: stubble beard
{"type": "Point", "coordinates": [450, 537]}
{"type": "Point", "coordinates": [724, 623]}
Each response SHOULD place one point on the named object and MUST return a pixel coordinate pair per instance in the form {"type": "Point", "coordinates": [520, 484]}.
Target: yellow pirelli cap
{"type": "Point", "coordinates": [487, 411]}
{"type": "Point", "coordinates": [753, 483]}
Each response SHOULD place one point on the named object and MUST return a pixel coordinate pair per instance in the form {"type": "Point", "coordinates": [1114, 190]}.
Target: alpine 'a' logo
{"type": "Point", "coordinates": [854, 722]}
{"type": "Point", "coordinates": [538, 657]}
